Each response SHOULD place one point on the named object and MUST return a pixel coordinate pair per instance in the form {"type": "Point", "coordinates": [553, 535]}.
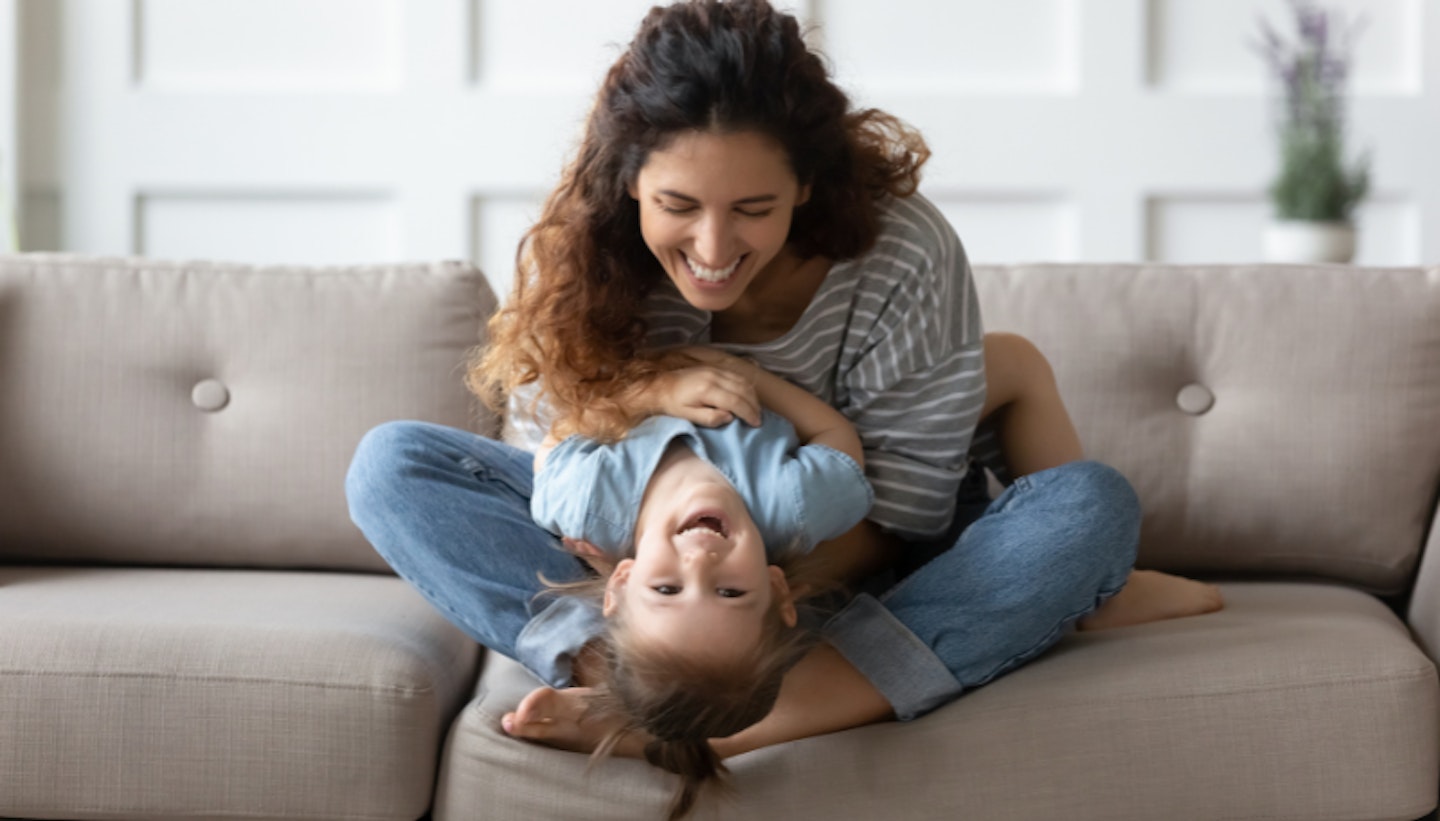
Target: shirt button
{"type": "Point", "coordinates": [1195, 399]}
{"type": "Point", "coordinates": [210, 395]}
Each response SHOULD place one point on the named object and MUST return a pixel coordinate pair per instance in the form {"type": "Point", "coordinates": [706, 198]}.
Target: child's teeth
{"type": "Point", "coordinates": [712, 274]}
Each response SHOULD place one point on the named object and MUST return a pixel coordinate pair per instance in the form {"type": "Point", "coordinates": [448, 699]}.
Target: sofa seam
{"type": "Point", "coordinates": [427, 690]}
{"type": "Point", "coordinates": [1352, 682]}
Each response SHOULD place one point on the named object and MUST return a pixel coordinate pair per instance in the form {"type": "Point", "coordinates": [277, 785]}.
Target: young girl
{"type": "Point", "coordinates": [690, 527]}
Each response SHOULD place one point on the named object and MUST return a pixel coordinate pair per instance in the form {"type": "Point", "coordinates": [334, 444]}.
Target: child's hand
{"type": "Point", "coordinates": [709, 394]}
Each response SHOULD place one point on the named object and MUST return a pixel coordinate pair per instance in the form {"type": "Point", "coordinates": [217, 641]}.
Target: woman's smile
{"type": "Point", "coordinates": [712, 275]}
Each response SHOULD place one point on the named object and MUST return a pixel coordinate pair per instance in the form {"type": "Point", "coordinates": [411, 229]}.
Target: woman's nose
{"type": "Point", "coordinates": [712, 242]}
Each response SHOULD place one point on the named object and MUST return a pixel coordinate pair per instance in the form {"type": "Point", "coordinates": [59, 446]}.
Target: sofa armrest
{"type": "Point", "coordinates": [1424, 611]}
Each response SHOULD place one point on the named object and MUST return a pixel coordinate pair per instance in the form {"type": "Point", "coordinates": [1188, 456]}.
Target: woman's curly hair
{"type": "Point", "coordinates": [574, 320]}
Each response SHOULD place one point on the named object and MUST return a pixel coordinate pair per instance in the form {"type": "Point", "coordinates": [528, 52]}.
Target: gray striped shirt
{"type": "Point", "coordinates": [892, 339]}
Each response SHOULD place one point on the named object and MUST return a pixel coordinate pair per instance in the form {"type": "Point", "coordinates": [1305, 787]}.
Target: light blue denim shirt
{"type": "Point", "coordinates": [798, 495]}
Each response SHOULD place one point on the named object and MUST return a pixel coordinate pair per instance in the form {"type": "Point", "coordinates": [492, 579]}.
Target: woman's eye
{"type": "Point", "coordinates": [767, 212]}
{"type": "Point", "coordinates": [729, 592]}
{"type": "Point", "coordinates": [667, 589]}
{"type": "Point", "coordinates": [670, 209]}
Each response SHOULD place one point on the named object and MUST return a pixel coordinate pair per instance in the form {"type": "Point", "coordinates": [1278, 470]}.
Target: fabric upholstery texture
{"type": "Point", "coordinates": [1299, 701]}
{"type": "Point", "coordinates": [1320, 455]}
{"type": "Point", "coordinates": [204, 414]}
{"type": "Point", "coordinates": [1278, 422]}
{"type": "Point", "coordinates": [161, 693]}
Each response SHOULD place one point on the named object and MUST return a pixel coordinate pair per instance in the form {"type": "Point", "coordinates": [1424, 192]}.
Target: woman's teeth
{"type": "Point", "coordinates": [712, 274]}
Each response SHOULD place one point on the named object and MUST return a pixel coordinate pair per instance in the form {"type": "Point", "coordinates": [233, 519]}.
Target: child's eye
{"type": "Point", "coordinates": [667, 589]}
{"type": "Point", "coordinates": [729, 592]}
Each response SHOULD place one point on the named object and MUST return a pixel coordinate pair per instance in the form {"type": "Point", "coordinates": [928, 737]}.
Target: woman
{"type": "Point", "coordinates": [726, 194]}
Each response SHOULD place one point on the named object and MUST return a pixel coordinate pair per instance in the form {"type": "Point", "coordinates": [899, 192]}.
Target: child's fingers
{"type": "Point", "coordinates": [738, 397]}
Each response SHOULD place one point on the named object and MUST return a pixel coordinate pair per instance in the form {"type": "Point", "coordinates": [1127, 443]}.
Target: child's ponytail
{"type": "Point", "coordinates": [694, 760]}
{"type": "Point", "coordinates": [681, 702]}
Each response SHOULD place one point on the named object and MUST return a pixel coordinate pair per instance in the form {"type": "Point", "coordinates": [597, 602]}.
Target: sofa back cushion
{"type": "Point", "coordinates": [205, 414]}
{"type": "Point", "coordinates": [1277, 420]}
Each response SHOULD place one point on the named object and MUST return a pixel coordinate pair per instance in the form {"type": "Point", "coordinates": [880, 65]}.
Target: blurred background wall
{"type": "Point", "coordinates": [336, 131]}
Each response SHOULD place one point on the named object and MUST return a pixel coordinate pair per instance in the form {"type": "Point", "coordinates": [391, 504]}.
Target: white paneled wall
{"type": "Point", "coordinates": [359, 130]}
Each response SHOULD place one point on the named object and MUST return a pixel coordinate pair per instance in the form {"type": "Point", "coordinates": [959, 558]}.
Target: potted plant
{"type": "Point", "coordinates": [1316, 191]}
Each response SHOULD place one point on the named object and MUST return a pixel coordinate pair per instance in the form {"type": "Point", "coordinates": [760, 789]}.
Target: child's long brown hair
{"type": "Point", "coordinates": [681, 701]}
{"type": "Point", "coordinates": [573, 322]}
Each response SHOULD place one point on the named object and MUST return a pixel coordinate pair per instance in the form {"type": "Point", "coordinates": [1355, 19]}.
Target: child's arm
{"type": "Point", "coordinates": [598, 560]}
{"type": "Point", "coordinates": [816, 423]}
{"type": "Point", "coordinates": [863, 550]}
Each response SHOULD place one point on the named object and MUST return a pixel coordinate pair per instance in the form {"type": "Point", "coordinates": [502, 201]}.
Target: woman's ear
{"type": "Point", "coordinates": [784, 599]}
{"type": "Point", "coordinates": [613, 584]}
{"type": "Point", "coordinates": [804, 195]}
{"type": "Point", "coordinates": [634, 189]}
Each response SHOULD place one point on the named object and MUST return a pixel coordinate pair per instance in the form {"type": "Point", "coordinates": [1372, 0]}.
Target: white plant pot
{"type": "Point", "coordinates": [1301, 241]}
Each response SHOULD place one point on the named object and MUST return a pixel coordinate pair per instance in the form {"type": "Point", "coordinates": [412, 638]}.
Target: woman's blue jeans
{"type": "Point", "coordinates": [450, 511]}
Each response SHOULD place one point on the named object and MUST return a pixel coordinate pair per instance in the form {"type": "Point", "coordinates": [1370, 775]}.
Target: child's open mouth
{"type": "Point", "coordinates": [705, 521]}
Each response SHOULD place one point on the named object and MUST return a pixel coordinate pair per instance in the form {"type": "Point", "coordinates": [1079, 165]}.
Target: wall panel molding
{"type": "Point", "coordinates": [1012, 225]}
{"type": "Point", "coordinates": [1065, 129]}
{"type": "Point", "coordinates": [1027, 47]}
{"type": "Point", "coordinates": [1200, 46]}
{"type": "Point", "coordinates": [276, 46]}
{"type": "Point", "coordinates": [269, 227]}
{"type": "Point", "coordinates": [498, 220]}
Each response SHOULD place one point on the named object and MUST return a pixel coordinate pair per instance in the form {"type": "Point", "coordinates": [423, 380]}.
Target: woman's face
{"type": "Point", "coordinates": [715, 209]}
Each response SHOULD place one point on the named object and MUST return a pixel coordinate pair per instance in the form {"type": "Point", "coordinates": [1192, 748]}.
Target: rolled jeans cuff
{"type": "Point", "coordinates": [549, 642]}
{"type": "Point", "coordinates": [905, 671]}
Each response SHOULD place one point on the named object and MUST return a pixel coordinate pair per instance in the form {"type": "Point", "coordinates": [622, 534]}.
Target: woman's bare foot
{"type": "Point", "coordinates": [556, 718]}
{"type": "Point", "coordinates": [1152, 596]}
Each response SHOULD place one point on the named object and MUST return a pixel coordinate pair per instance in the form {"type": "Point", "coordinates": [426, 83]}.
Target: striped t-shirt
{"type": "Point", "coordinates": [892, 339]}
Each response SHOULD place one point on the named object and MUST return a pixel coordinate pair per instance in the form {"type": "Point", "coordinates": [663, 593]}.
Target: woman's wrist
{"type": "Point", "coordinates": [643, 397]}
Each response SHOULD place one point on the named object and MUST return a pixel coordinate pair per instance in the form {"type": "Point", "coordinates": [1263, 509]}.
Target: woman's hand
{"type": "Point", "coordinates": [718, 389]}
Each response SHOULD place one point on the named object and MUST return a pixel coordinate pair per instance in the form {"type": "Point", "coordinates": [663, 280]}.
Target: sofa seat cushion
{"type": "Point", "coordinates": [168, 694]}
{"type": "Point", "coordinates": [1298, 701]}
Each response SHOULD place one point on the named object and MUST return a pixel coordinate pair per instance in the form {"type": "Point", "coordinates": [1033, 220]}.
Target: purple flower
{"type": "Point", "coordinates": [1312, 69]}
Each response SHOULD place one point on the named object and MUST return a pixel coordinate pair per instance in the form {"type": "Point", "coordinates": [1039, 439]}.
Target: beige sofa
{"type": "Point", "coordinates": [191, 628]}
